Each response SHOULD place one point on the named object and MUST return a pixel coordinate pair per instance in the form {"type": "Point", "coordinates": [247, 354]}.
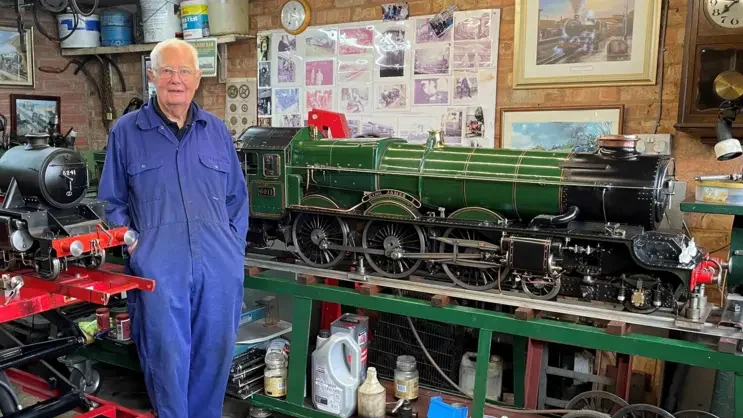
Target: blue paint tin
{"type": "Point", "coordinates": [116, 28]}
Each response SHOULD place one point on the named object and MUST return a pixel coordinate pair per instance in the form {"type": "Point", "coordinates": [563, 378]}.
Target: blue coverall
{"type": "Point", "coordinates": [188, 201]}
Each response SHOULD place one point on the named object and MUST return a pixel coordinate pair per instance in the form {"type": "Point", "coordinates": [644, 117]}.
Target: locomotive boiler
{"type": "Point", "coordinates": [581, 225]}
{"type": "Point", "coordinates": [46, 220]}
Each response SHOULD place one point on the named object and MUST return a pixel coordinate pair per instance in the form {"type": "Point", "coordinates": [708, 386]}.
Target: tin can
{"type": "Point", "coordinates": [103, 318]}
{"type": "Point", "coordinates": [123, 327]}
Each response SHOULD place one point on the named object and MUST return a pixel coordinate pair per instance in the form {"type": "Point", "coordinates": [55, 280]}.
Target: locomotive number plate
{"type": "Point", "coordinates": [267, 191]}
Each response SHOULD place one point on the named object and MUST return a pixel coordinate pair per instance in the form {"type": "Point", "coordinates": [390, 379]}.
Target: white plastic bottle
{"type": "Point", "coordinates": [334, 386]}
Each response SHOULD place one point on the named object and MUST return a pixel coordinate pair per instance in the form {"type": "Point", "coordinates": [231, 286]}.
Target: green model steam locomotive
{"type": "Point", "coordinates": [583, 225]}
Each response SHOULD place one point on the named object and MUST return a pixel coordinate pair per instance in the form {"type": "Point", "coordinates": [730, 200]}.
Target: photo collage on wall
{"type": "Point", "coordinates": [389, 78]}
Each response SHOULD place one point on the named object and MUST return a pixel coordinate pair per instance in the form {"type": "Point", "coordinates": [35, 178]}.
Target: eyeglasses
{"type": "Point", "coordinates": [169, 72]}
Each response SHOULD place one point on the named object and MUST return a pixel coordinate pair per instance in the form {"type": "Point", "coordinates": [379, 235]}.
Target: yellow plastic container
{"type": "Point", "coordinates": [727, 192]}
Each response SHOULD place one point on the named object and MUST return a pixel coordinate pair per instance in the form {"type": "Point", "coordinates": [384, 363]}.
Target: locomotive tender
{"type": "Point", "coordinates": [46, 221]}
{"type": "Point", "coordinates": [582, 225]}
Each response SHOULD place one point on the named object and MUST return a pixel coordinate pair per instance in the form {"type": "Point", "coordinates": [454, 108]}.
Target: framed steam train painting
{"type": "Point", "coordinates": [16, 57]}
{"type": "Point", "coordinates": [572, 43]}
{"type": "Point", "coordinates": [563, 129]}
{"type": "Point", "coordinates": [31, 114]}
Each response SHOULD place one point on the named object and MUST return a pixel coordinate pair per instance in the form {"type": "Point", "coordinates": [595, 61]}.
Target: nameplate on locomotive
{"type": "Point", "coordinates": [391, 193]}
{"type": "Point", "coordinates": [267, 191]}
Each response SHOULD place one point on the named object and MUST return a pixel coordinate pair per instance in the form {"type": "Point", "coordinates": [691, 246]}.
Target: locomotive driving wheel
{"type": "Point", "coordinates": [395, 239]}
{"type": "Point", "coordinates": [313, 233]}
{"type": "Point", "coordinates": [472, 278]}
{"type": "Point", "coordinates": [597, 400]}
{"type": "Point", "coordinates": [641, 410]}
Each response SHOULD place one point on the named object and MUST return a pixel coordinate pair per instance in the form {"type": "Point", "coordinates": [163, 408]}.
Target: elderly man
{"type": "Point", "coordinates": [172, 175]}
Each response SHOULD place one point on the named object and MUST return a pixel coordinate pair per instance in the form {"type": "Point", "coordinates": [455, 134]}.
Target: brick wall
{"type": "Point", "coordinates": [81, 108]}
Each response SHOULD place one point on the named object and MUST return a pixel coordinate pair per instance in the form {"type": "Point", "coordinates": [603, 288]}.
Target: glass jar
{"type": "Point", "coordinates": [274, 375]}
{"type": "Point", "coordinates": [406, 378]}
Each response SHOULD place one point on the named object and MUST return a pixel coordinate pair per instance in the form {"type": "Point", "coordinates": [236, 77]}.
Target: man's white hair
{"type": "Point", "coordinates": [172, 43]}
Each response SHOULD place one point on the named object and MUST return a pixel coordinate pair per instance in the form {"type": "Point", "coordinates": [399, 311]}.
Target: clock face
{"type": "Point", "coordinates": [293, 15]}
{"type": "Point", "coordinates": [725, 13]}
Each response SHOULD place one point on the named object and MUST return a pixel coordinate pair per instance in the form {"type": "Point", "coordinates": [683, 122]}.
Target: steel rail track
{"type": "Point", "coordinates": [663, 321]}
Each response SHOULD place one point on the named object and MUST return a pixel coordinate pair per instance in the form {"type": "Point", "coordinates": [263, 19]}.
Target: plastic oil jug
{"type": "Point", "coordinates": [334, 386]}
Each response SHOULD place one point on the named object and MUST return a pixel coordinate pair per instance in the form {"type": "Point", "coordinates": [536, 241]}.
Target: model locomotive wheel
{"type": "Point", "coordinates": [95, 261]}
{"type": "Point", "coordinates": [642, 410]}
{"type": "Point", "coordinates": [472, 278]}
{"type": "Point", "coordinates": [395, 240]}
{"type": "Point", "coordinates": [693, 413]}
{"type": "Point", "coordinates": [641, 291]}
{"type": "Point", "coordinates": [541, 287]}
{"type": "Point", "coordinates": [597, 400]}
{"type": "Point", "coordinates": [47, 268]}
{"type": "Point", "coordinates": [313, 234]}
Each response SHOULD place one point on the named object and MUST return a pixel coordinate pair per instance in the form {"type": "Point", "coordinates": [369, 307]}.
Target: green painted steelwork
{"type": "Point", "coordinates": [735, 255]}
{"type": "Point", "coordinates": [298, 363]}
{"type": "Point", "coordinates": [481, 372]}
{"type": "Point", "coordinates": [686, 352]}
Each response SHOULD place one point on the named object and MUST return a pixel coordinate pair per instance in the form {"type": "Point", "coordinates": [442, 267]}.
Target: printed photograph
{"type": "Point", "coordinates": [558, 136]}
{"type": "Point", "coordinates": [469, 26]}
{"type": "Point", "coordinates": [474, 142]}
{"type": "Point", "coordinates": [33, 114]}
{"type": "Point", "coordinates": [474, 122]}
{"type": "Point", "coordinates": [432, 60]}
{"type": "Point", "coordinates": [378, 127]}
{"type": "Point", "coordinates": [320, 42]}
{"type": "Point", "coordinates": [424, 33]}
{"type": "Point", "coordinates": [354, 70]}
{"type": "Point", "coordinates": [392, 46]}
{"type": "Point", "coordinates": [443, 21]}
{"type": "Point", "coordinates": [264, 102]}
{"type": "Point", "coordinates": [392, 96]}
{"type": "Point", "coordinates": [287, 70]}
{"type": "Point", "coordinates": [354, 125]}
{"type": "Point", "coordinates": [264, 122]}
{"type": "Point", "coordinates": [355, 100]}
{"type": "Point", "coordinates": [319, 73]}
{"type": "Point", "coordinates": [452, 124]}
{"type": "Point", "coordinates": [289, 121]}
{"type": "Point", "coordinates": [356, 41]}
{"type": "Point", "coordinates": [16, 63]}
{"type": "Point", "coordinates": [287, 100]}
{"type": "Point", "coordinates": [431, 91]}
{"type": "Point", "coordinates": [415, 129]}
{"type": "Point", "coordinates": [395, 11]}
{"type": "Point", "coordinates": [473, 55]}
{"type": "Point", "coordinates": [264, 43]}
{"type": "Point", "coordinates": [319, 99]}
{"type": "Point", "coordinates": [584, 31]}
{"type": "Point", "coordinates": [465, 89]}
{"type": "Point", "coordinates": [264, 74]}
{"type": "Point", "coordinates": [287, 43]}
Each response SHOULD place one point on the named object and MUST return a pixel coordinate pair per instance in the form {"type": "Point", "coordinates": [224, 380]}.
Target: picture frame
{"type": "Point", "coordinates": [18, 67]}
{"type": "Point", "coordinates": [31, 113]}
{"type": "Point", "coordinates": [557, 46]}
{"type": "Point", "coordinates": [148, 89]}
{"type": "Point", "coordinates": [567, 128]}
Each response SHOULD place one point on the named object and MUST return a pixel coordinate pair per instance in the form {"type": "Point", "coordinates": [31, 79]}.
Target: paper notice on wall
{"type": "Point", "coordinates": [240, 110]}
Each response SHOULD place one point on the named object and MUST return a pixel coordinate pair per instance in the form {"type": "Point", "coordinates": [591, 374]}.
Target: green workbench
{"type": "Point", "coordinates": [685, 352]}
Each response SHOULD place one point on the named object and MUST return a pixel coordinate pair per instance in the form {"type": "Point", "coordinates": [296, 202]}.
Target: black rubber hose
{"type": "Point", "coordinates": [40, 28]}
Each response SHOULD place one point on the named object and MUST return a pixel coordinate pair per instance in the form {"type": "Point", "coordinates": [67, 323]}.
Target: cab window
{"type": "Point", "coordinates": [250, 163]}
{"type": "Point", "coordinates": [271, 165]}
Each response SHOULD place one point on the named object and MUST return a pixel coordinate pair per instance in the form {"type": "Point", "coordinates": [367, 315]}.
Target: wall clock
{"type": "Point", "coordinates": [713, 44]}
{"type": "Point", "coordinates": [295, 16]}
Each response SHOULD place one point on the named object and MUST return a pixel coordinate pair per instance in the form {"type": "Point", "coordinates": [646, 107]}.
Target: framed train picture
{"type": "Point", "coordinates": [31, 114]}
{"type": "Point", "coordinates": [574, 43]}
{"type": "Point", "coordinates": [16, 57]}
{"type": "Point", "coordinates": [575, 129]}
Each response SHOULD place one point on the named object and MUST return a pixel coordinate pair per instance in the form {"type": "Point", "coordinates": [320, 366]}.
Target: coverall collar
{"type": "Point", "coordinates": [147, 117]}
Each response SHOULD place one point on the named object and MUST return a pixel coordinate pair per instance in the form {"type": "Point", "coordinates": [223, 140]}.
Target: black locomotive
{"type": "Point", "coordinates": [46, 220]}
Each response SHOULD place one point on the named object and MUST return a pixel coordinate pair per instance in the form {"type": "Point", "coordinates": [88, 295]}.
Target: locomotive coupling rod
{"type": "Point", "coordinates": [733, 177]}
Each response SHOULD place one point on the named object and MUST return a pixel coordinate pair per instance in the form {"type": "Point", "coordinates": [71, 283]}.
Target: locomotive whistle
{"type": "Point", "coordinates": [733, 176]}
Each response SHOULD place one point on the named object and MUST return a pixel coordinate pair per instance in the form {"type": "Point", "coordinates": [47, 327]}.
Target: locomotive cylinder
{"type": "Point", "coordinates": [57, 177]}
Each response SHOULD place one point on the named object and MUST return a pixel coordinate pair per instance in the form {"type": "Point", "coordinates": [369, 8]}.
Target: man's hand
{"type": "Point", "coordinates": [130, 250]}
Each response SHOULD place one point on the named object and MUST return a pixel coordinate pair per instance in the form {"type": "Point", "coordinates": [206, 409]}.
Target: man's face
{"type": "Point", "coordinates": [176, 79]}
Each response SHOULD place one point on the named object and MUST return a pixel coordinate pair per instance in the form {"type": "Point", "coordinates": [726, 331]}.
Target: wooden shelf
{"type": "Point", "coordinates": [126, 49]}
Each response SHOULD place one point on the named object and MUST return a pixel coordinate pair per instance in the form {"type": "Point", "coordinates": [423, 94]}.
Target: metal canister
{"type": "Point", "coordinates": [103, 317]}
{"type": "Point", "coordinates": [123, 327]}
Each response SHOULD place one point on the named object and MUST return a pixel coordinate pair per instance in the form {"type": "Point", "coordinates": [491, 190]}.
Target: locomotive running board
{"type": "Point", "coordinates": [662, 321]}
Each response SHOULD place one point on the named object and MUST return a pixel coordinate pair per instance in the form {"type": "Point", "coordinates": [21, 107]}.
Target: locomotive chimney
{"type": "Point", "coordinates": [37, 140]}
{"type": "Point", "coordinates": [618, 146]}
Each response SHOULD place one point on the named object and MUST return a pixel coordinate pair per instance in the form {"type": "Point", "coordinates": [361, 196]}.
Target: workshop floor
{"type": "Point", "coordinates": [127, 389]}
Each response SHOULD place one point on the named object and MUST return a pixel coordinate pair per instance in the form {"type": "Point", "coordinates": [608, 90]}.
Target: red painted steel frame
{"type": "Point", "coordinates": [100, 239]}
{"type": "Point", "coordinates": [75, 285]}
{"type": "Point", "coordinates": [39, 388]}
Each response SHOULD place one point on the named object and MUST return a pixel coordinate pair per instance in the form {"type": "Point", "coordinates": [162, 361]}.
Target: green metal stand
{"type": "Point", "coordinates": [685, 352]}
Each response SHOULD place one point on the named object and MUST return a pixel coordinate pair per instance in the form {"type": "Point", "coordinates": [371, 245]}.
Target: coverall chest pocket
{"type": "Point", "coordinates": [213, 173]}
{"type": "Point", "coordinates": [144, 178]}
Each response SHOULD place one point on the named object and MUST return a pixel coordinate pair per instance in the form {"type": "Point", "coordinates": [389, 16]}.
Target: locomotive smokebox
{"type": "Point", "coordinates": [55, 177]}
